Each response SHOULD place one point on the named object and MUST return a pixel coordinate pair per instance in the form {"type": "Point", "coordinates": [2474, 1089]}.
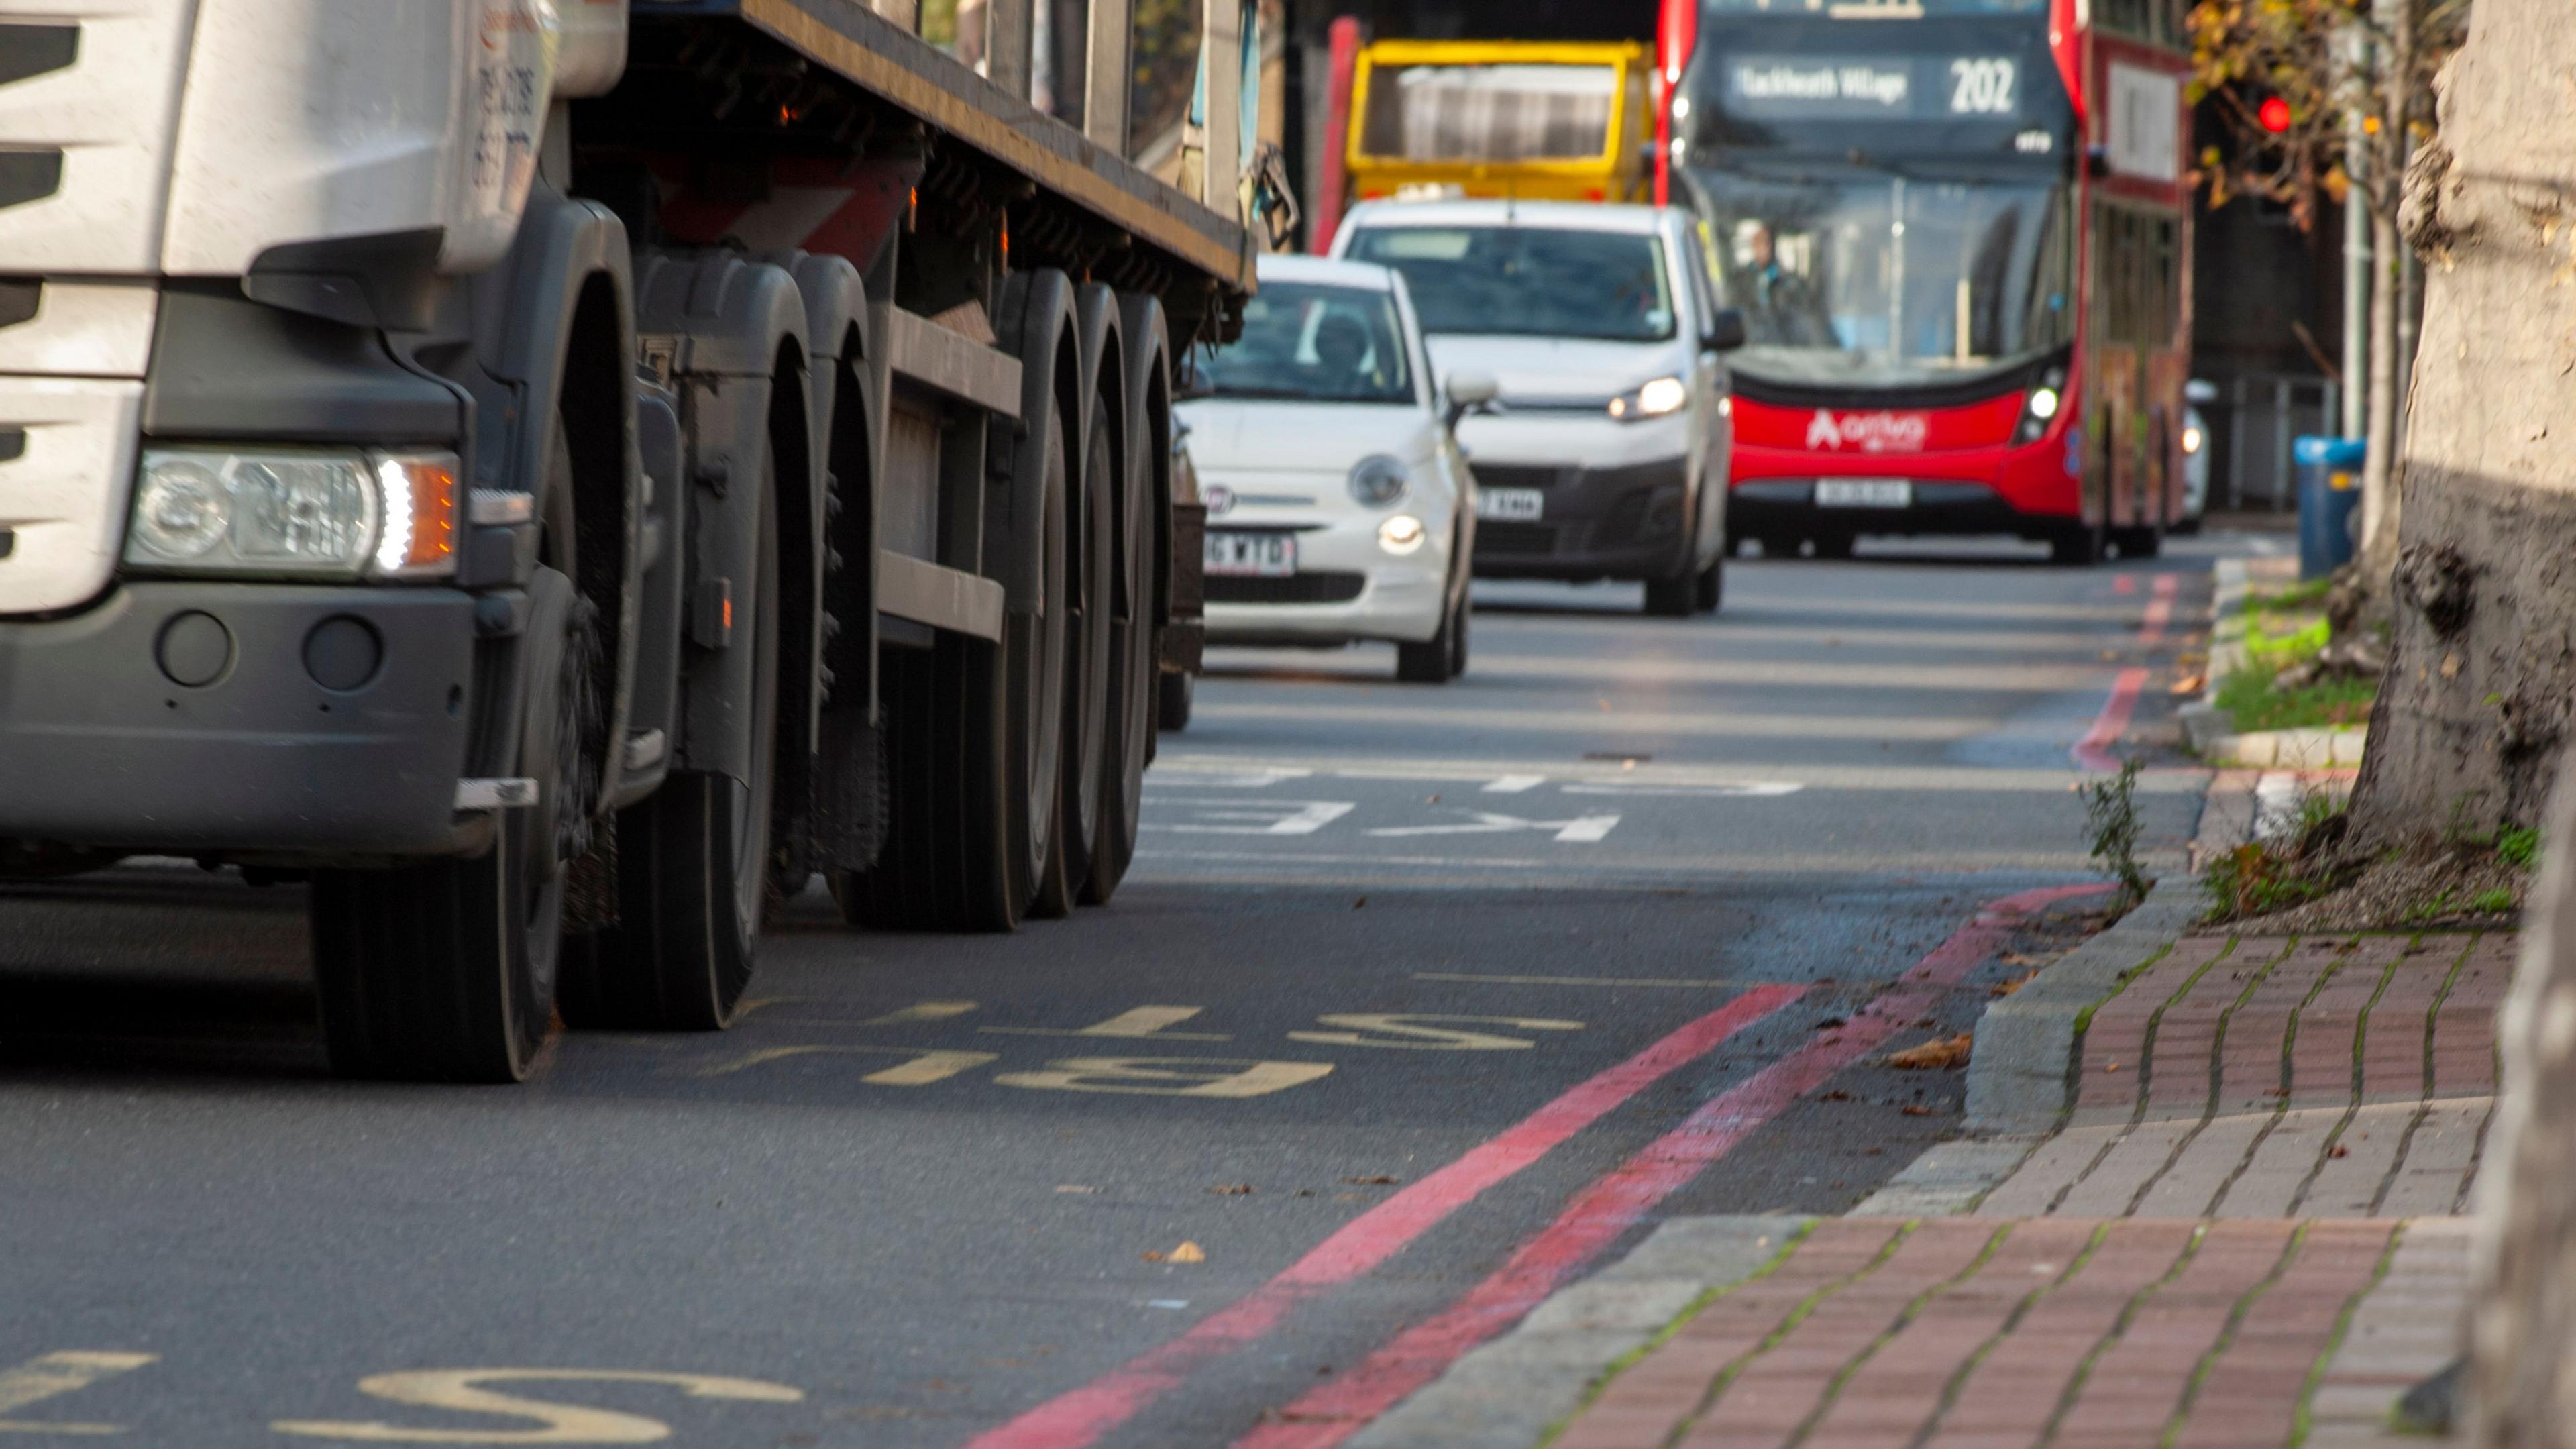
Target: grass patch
{"type": "Point", "coordinates": [2255, 699]}
{"type": "Point", "coordinates": [2493, 902]}
{"type": "Point", "coordinates": [2306, 595]}
{"type": "Point", "coordinates": [2518, 846]}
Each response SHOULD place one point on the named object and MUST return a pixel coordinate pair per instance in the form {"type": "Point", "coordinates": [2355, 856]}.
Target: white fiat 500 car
{"type": "Point", "coordinates": [1607, 455]}
{"type": "Point", "coordinates": [1339, 505]}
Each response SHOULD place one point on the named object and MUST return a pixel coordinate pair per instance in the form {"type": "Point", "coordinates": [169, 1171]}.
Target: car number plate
{"type": "Point", "coordinates": [1864, 493]}
{"type": "Point", "coordinates": [1511, 505]}
{"type": "Point", "coordinates": [1252, 555]}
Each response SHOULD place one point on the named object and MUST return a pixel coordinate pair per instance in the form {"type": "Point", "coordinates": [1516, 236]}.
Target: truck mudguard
{"type": "Point", "coordinates": [724, 328]}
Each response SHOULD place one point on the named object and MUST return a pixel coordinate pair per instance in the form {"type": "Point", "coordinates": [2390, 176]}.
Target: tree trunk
{"type": "Point", "coordinates": [2380, 503]}
{"type": "Point", "coordinates": [2522, 1379]}
{"type": "Point", "coordinates": [2482, 660]}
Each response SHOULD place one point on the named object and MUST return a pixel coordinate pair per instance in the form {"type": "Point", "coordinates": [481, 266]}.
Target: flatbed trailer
{"type": "Point", "coordinates": [560, 477]}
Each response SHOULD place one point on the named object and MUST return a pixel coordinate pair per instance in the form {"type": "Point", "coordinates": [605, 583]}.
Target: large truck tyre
{"type": "Point", "coordinates": [445, 971]}
{"type": "Point", "coordinates": [1133, 664]}
{"type": "Point", "coordinates": [692, 863]}
{"type": "Point", "coordinates": [947, 863]}
{"type": "Point", "coordinates": [1090, 599]}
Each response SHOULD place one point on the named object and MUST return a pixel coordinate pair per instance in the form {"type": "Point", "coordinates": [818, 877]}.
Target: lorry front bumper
{"type": "Point", "coordinates": [220, 718]}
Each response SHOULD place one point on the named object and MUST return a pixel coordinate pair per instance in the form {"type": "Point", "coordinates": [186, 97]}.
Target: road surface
{"type": "Point", "coordinates": [1421, 1001]}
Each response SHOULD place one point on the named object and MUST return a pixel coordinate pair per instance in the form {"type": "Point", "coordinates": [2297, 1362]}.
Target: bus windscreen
{"type": "Point", "coordinates": [1490, 113]}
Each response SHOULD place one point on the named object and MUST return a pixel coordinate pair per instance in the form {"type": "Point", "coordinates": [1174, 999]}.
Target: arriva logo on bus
{"type": "Point", "coordinates": [1878, 432]}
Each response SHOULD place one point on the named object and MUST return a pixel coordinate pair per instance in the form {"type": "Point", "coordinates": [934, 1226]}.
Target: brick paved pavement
{"type": "Point", "coordinates": [2244, 1233]}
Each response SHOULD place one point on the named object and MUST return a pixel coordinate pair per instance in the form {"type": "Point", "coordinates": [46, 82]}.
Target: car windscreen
{"type": "Point", "coordinates": [1517, 281]}
{"type": "Point", "coordinates": [1304, 342]}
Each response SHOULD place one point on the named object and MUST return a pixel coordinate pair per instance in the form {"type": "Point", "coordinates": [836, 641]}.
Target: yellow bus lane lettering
{"type": "Point", "coordinates": [1409, 1032]}
{"type": "Point", "coordinates": [1169, 1076]}
{"type": "Point", "coordinates": [1144, 1021]}
{"type": "Point", "coordinates": [54, 1374]}
{"type": "Point", "coordinates": [922, 1069]}
{"type": "Point", "coordinates": [461, 1391]}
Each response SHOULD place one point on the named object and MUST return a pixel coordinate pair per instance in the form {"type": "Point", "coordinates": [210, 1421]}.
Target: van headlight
{"type": "Point", "coordinates": [1660, 398]}
{"type": "Point", "coordinates": [294, 512]}
{"type": "Point", "coordinates": [1379, 482]}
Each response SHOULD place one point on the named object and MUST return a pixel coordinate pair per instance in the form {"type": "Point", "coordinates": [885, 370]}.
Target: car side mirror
{"type": "Point", "coordinates": [1726, 331]}
{"type": "Point", "coordinates": [1470, 392]}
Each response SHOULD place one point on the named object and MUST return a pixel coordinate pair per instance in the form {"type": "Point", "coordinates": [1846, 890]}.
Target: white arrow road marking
{"type": "Point", "coordinates": [1766, 790]}
{"type": "Point", "coordinates": [1515, 784]}
{"type": "Point", "coordinates": [1586, 831]}
{"type": "Point", "coordinates": [1258, 817]}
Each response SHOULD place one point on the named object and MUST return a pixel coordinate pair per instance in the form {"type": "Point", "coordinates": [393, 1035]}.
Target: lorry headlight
{"type": "Point", "coordinates": [295, 512]}
{"type": "Point", "coordinates": [1654, 400]}
{"type": "Point", "coordinates": [1379, 482]}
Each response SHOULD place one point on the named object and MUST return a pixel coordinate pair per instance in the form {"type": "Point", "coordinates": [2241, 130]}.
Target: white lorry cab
{"type": "Point", "coordinates": [552, 475]}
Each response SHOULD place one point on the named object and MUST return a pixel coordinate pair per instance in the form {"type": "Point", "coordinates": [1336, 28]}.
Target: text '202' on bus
{"type": "Point", "coordinates": [1958, 231]}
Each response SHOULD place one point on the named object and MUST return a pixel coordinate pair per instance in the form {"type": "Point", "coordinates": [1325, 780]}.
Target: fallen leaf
{"type": "Point", "coordinates": [1947, 1054]}
{"type": "Point", "coordinates": [2111, 1066]}
{"type": "Point", "coordinates": [2009, 987]}
{"type": "Point", "coordinates": [2191, 684]}
{"type": "Point", "coordinates": [1830, 1022]}
{"type": "Point", "coordinates": [2340, 1151]}
{"type": "Point", "coordinates": [2015, 958]}
{"type": "Point", "coordinates": [1836, 1095]}
{"type": "Point", "coordinates": [1069, 1187]}
{"type": "Point", "coordinates": [1361, 904]}
{"type": "Point", "coordinates": [1916, 1109]}
{"type": "Point", "coordinates": [1381, 1180]}
{"type": "Point", "coordinates": [1188, 1253]}
{"type": "Point", "coordinates": [1232, 1189]}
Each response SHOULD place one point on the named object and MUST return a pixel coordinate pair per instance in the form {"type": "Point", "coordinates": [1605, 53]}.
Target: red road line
{"type": "Point", "coordinates": [2093, 752]}
{"type": "Point", "coordinates": [2160, 610]}
{"type": "Point", "coordinates": [1080, 1416]}
{"type": "Point", "coordinates": [1597, 1216]}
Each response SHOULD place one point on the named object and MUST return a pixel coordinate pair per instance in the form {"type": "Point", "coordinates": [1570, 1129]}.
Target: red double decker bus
{"type": "Point", "coordinates": [1959, 231]}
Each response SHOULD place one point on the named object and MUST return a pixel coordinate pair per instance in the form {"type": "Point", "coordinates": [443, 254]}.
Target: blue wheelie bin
{"type": "Point", "coordinates": [2329, 473]}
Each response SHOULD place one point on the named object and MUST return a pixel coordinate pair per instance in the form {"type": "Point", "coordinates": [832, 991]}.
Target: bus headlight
{"type": "Point", "coordinates": [1379, 482]}
{"type": "Point", "coordinates": [2191, 439]}
{"type": "Point", "coordinates": [2039, 406]}
{"type": "Point", "coordinates": [1660, 398]}
{"type": "Point", "coordinates": [294, 512]}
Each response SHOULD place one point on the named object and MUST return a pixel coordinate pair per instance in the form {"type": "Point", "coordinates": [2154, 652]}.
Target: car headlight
{"type": "Point", "coordinates": [1402, 534]}
{"type": "Point", "coordinates": [2191, 439]}
{"type": "Point", "coordinates": [1665, 395]}
{"type": "Point", "coordinates": [1379, 482]}
{"type": "Point", "coordinates": [294, 512]}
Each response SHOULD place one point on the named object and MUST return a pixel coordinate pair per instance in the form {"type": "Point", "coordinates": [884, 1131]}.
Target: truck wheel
{"type": "Point", "coordinates": [1174, 694]}
{"type": "Point", "coordinates": [947, 859]}
{"type": "Point", "coordinates": [1089, 597]}
{"type": "Point", "coordinates": [971, 814]}
{"type": "Point", "coordinates": [692, 867]}
{"type": "Point", "coordinates": [1127, 735]}
{"type": "Point", "coordinates": [445, 971]}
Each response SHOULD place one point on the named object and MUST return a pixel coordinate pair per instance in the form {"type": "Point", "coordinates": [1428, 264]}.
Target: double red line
{"type": "Point", "coordinates": [1590, 1223]}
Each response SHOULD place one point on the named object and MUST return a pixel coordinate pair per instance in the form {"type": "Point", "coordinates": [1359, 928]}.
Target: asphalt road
{"type": "Point", "coordinates": [1422, 1001]}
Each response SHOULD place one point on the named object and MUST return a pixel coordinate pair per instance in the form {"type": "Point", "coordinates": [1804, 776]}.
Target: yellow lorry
{"type": "Point", "coordinates": [1537, 121]}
